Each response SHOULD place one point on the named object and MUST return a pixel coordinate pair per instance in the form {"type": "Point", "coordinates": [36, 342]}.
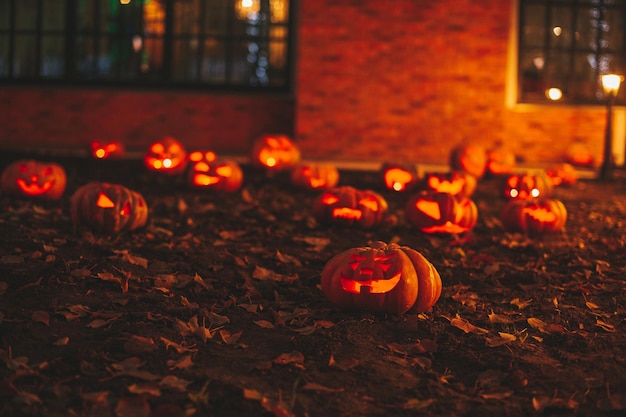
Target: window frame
{"type": "Point", "coordinates": [516, 93]}
{"type": "Point", "coordinates": [69, 78]}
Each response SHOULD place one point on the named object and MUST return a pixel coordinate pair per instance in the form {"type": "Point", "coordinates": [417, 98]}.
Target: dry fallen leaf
{"type": "Point", "coordinates": [466, 326]}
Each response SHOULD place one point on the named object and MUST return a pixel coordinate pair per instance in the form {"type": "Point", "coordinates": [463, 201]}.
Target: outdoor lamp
{"type": "Point", "coordinates": [610, 85]}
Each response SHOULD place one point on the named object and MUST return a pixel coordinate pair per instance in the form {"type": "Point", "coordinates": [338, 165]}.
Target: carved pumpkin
{"type": "Point", "coordinates": [453, 182]}
{"type": "Point", "coordinates": [315, 176]}
{"type": "Point", "coordinates": [500, 160]}
{"type": "Point", "coordinates": [31, 178]}
{"type": "Point", "coordinates": [534, 217]}
{"type": "Point", "coordinates": [579, 154]}
{"type": "Point", "coordinates": [276, 152]}
{"type": "Point", "coordinates": [562, 174]}
{"type": "Point", "coordinates": [209, 172]}
{"type": "Point", "coordinates": [469, 158]}
{"type": "Point", "coordinates": [383, 278]}
{"type": "Point", "coordinates": [348, 206]}
{"type": "Point", "coordinates": [108, 208]}
{"type": "Point", "coordinates": [167, 155]}
{"type": "Point", "coordinates": [526, 186]}
{"type": "Point", "coordinates": [399, 177]}
{"type": "Point", "coordinates": [106, 150]}
{"type": "Point", "coordinates": [441, 213]}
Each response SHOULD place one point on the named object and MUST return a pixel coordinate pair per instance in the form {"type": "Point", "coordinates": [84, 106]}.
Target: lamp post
{"type": "Point", "coordinates": [610, 85]}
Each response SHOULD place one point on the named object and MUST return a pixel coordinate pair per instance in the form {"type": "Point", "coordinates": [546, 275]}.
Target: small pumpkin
{"type": "Point", "coordinates": [381, 278]}
{"type": "Point", "coordinates": [470, 158]}
{"type": "Point", "coordinates": [314, 176]}
{"type": "Point", "coordinates": [453, 182]}
{"type": "Point", "coordinates": [399, 177]}
{"type": "Point", "coordinates": [108, 208]}
{"type": "Point", "coordinates": [276, 152]}
{"type": "Point", "coordinates": [349, 206]}
{"type": "Point", "coordinates": [534, 217]}
{"type": "Point", "coordinates": [435, 212]}
{"type": "Point", "coordinates": [578, 153]}
{"type": "Point", "coordinates": [32, 178]}
{"type": "Point", "coordinates": [101, 150]}
{"type": "Point", "coordinates": [167, 155]}
{"type": "Point", "coordinates": [528, 185]}
{"type": "Point", "coordinates": [562, 174]}
{"type": "Point", "coordinates": [207, 171]}
{"type": "Point", "coordinates": [500, 160]}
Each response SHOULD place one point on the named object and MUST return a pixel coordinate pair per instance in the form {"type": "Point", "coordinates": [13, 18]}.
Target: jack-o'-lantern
{"type": "Point", "coordinates": [315, 176]}
{"type": "Point", "coordinates": [108, 208]}
{"type": "Point", "coordinates": [31, 178]}
{"type": "Point", "coordinates": [209, 172]}
{"type": "Point", "coordinates": [534, 217]}
{"type": "Point", "coordinates": [500, 160]}
{"type": "Point", "coordinates": [469, 158]}
{"type": "Point", "coordinates": [528, 185]}
{"type": "Point", "coordinates": [100, 150]}
{"type": "Point", "coordinates": [381, 278]}
{"type": "Point", "coordinates": [399, 177]}
{"type": "Point", "coordinates": [453, 182]}
{"type": "Point", "coordinates": [579, 154]}
{"type": "Point", "coordinates": [441, 213]}
{"type": "Point", "coordinates": [349, 206]}
{"type": "Point", "coordinates": [167, 156]}
{"type": "Point", "coordinates": [562, 174]}
{"type": "Point", "coordinates": [276, 152]}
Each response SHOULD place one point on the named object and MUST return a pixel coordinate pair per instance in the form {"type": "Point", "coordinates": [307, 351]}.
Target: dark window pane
{"type": "Point", "coordinates": [54, 15]}
{"type": "Point", "coordinates": [25, 59]}
{"type": "Point", "coordinates": [26, 15]}
{"type": "Point", "coordinates": [52, 57]}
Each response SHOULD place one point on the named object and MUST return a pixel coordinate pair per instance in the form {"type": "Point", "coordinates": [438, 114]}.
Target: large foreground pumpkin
{"type": "Point", "coordinates": [108, 208]}
{"type": "Point", "coordinates": [382, 278]}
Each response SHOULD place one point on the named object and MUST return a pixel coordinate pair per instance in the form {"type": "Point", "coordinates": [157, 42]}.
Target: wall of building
{"type": "Point", "coordinates": [375, 80]}
{"type": "Point", "coordinates": [412, 78]}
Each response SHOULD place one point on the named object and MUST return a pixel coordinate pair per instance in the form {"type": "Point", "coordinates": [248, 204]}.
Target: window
{"type": "Point", "coordinates": [232, 44]}
{"type": "Point", "coordinates": [564, 47]}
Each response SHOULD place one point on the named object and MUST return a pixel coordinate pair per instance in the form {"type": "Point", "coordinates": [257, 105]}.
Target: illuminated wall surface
{"type": "Point", "coordinates": [372, 80]}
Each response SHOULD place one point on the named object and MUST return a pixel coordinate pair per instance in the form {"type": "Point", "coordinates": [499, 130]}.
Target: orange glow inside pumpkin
{"type": "Point", "coordinates": [104, 201]}
{"type": "Point", "coordinates": [447, 227]}
{"type": "Point", "coordinates": [102, 151]}
{"type": "Point", "coordinates": [443, 186]}
{"type": "Point", "coordinates": [429, 208]}
{"type": "Point", "coordinates": [329, 199]}
{"type": "Point", "coordinates": [369, 202]}
{"type": "Point", "coordinates": [33, 187]}
{"type": "Point", "coordinates": [397, 178]}
{"type": "Point", "coordinates": [347, 213]}
{"type": "Point", "coordinates": [515, 187]}
{"type": "Point", "coordinates": [540, 214]}
{"type": "Point", "coordinates": [365, 284]}
{"type": "Point", "coordinates": [198, 156]}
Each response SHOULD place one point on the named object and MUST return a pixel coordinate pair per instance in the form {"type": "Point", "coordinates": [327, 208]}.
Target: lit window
{"type": "Point", "coordinates": [566, 45]}
{"type": "Point", "coordinates": [196, 43]}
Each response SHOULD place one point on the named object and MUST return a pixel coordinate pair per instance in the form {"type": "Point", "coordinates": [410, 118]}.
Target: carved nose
{"type": "Point", "coordinates": [367, 271]}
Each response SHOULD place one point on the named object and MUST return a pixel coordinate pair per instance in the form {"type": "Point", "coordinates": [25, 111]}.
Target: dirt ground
{"type": "Point", "coordinates": [215, 309]}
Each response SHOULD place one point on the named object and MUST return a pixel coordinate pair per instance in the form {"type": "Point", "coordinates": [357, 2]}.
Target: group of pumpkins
{"type": "Point", "coordinates": [381, 278]}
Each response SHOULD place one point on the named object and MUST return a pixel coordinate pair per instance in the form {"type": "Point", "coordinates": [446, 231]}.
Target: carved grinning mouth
{"type": "Point", "coordinates": [204, 179]}
{"type": "Point", "coordinates": [447, 227]}
{"type": "Point", "coordinates": [370, 286]}
{"type": "Point", "coordinates": [347, 213]}
{"type": "Point", "coordinates": [34, 188]}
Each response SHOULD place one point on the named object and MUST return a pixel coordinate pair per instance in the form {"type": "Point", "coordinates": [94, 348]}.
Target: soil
{"type": "Point", "coordinates": [215, 308]}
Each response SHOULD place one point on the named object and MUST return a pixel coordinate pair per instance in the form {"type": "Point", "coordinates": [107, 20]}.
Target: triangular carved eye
{"type": "Point", "coordinates": [513, 181]}
{"type": "Point", "coordinates": [23, 168]}
{"type": "Point", "coordinates": [272, 142]}
{"type": "Point", "coordinates": [433, 182]}
{"type": "Point", "coordinates": [157, 148]}
{"type": "Point", "coordinates": [224, 171]}
{"type": "Point", "coordinates": [125, 211]}
{"type": "Point", "coordinates": [370, 203]}
{"type": "Point", "coordinates": [429, 208]}
{"type": "Point", "coordinates": [104, 201]}
{"type": "Point", "coordinates": [195, 156]}
{"type": "Point", "coordinates": [329, 199]}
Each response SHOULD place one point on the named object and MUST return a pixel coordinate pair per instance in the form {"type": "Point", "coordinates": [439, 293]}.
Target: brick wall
{"type": "Point", "coordinates": [411, 78]}
{"type": "Point", "coordinates": [376, 80]}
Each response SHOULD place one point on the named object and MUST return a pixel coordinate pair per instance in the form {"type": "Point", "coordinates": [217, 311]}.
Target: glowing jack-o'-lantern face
{"type": "Point", "coordinates": [500, 160]}
{"type": "Point", "coordinates": [399, 177]}
{"type": "Point", "coordinates": [454, 182]}
{"type": "Point", "coordinates": [527, 186]}
{"type": "Point", "coordinates": [441, 213]}
{"type": "Point", "coordinates": [276, 152]}
{"type": "Point", "coordinates": [106, 150]}
{"type": "Point", "coordinates": [315, 176]}
{"type": "Point", "coordinates": [348, 206]}
{"type": "Point", "coordinates": [381, 278]}
{"type": "Point", "coordinates": [209, 172]}
{"type": "Point", "coordinates": [469, 158]}
{"type": "Point", "coordinates": [534, 217]}
{"type": "Point", "coordinates": [167, 156]}
{"type": "Point", "coordinates": [31, 178]}
{"type": "Point", "coordinates": [108, 208]}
